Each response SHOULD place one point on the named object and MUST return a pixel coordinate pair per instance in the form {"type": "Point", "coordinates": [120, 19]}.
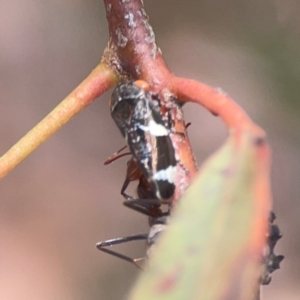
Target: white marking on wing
{"type": "Point", "coordinates": [155, 129]}
{"type": "Point", "coordinates": [168, 174]}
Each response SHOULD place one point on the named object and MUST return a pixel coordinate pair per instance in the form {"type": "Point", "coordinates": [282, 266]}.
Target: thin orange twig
{"type": "Point", "coordinates": [99, 81]}
{"type": "Point", "coordinates": [216, 102]}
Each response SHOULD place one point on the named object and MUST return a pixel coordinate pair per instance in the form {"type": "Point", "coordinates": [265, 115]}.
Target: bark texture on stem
{"type": "Point", "coordinates": [133, 40]}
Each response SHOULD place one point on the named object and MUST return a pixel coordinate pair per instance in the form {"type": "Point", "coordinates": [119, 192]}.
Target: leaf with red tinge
{"type": "Point", "coordinates": [213, 244]}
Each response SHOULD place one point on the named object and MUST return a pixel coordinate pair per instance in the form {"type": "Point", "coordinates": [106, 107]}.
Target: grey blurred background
{"type": "Point", "coordinates": [58, 203]}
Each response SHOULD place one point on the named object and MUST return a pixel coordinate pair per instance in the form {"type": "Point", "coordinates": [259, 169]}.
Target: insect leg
{"type": "Point", "coordinates": [148, 207]}
{"type": "Point", "coordinates": [116, 156]}
{"type": "Point", "coordinates": [108, 243]}
{"type": "Point", "coordinates": [124, 187]}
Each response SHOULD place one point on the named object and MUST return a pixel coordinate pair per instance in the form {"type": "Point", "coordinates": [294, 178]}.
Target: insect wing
{"type": "Point", "coordinates": [151, 145]}
{"type": "Point", "coordinates": [122, 105]}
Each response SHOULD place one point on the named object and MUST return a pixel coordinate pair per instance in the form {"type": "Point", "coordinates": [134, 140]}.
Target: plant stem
{"type": "Point", "coordinates": [99, 81]}
{"type": "Point", "coordinates": [217, 102]}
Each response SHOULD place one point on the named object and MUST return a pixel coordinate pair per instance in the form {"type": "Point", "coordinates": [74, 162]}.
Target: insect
{"type": "Point", "coordinates": [148, 138]}
{"type": "Point", "coordinates": [153, 161]}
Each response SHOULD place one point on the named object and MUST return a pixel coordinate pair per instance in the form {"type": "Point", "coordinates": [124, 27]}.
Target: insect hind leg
{"type": "Point", "coordinates": [117, 241]}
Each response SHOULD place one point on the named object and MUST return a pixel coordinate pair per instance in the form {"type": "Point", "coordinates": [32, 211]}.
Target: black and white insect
{"type": "Point", "coordinates": [153, 162]}
{"type": "Point", "coordinates": [147, 136]}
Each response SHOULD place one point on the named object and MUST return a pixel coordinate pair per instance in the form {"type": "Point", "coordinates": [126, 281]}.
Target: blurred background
{"type": "Point", "coordinates": [62, 200]}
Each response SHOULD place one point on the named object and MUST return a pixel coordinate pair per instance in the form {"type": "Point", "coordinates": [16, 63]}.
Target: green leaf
{"type": "Point", "coordinates": [213, 243]}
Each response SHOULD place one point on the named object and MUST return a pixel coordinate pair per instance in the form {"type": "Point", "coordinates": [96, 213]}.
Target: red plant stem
{"type": "Point", "coordinates": [238, 123]}
{"type": "Point", "coordinates": [264, 198]}
{"type": "Point", "coordinates": [216, 102]}
{"type": "Point", "coordinates": [133, 41]}
{"type": "Point", "coordinates": [100, 80]}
